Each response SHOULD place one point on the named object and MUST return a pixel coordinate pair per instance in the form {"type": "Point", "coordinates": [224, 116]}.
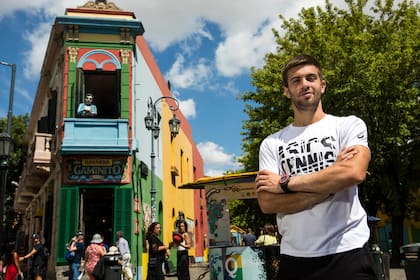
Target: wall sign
{"type": "Point", "coordinates": [96, 170]}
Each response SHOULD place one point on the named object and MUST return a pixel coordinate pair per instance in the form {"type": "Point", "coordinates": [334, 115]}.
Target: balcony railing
{"type": "Point", "coordinates": [42, 148]}
{"type": "Point", "coordinates": [95, 136]}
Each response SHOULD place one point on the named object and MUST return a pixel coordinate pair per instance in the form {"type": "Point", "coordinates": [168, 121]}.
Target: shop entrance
{"type": "Point", "coordinates": [97, 206]}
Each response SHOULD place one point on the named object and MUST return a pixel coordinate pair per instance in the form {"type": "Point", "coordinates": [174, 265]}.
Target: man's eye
{"type": "Point", "coordinates": [311, 78]}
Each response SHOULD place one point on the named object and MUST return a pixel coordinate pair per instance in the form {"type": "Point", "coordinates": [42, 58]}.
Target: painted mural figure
{"type": "Point", "coordinates": [309, 176]}
{"type": "Point", "coordinates": [87, 109]}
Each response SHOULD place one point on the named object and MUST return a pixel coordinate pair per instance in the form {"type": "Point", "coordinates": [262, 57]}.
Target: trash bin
{"type": "Point", "coordinates": [410, 259]}
{"type": "Point", "coordinates": [112, 267]}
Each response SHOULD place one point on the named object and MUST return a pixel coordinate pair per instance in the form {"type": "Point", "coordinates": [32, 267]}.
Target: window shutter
{"type": "Point", "coordinates": [122, 212]}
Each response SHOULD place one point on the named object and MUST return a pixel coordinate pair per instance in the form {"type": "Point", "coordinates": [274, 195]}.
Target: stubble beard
{"type": "Point", "coordinates": [307, 105]}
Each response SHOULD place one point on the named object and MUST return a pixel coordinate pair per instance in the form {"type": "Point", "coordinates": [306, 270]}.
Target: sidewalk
{"type": "Point", "coordinates": [397, 274]}
{"type": "Point", "coordinates": [198, 270]}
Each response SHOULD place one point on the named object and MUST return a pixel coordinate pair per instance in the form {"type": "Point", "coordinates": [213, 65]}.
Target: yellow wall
{"type": "Point", "coordinates": [174, 199]}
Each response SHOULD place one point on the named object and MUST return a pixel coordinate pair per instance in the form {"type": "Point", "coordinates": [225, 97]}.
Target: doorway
{"type": "Point", "coordinates": [97, 208]}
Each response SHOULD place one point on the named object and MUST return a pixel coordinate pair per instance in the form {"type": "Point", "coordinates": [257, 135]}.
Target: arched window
{"type": "Point", "coordinates": [99, 73]}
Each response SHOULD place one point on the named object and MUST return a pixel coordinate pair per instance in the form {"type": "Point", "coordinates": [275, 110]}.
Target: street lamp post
{"type": "Point", "coordinates": [12, 90]}
{"type": "Point", "coordinates": [152, 121]}
{"type": "Point", "coordinates": [5, 150]}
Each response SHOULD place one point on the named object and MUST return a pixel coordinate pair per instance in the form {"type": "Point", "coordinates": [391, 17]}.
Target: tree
{"type": "Point", "coordinates": [371, 64]}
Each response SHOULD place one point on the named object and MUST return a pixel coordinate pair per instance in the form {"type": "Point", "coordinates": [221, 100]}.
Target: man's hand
{"type": "Point", "coordinates": [268, 181]}
{"type": "Point", "coordinates": [346, 153]}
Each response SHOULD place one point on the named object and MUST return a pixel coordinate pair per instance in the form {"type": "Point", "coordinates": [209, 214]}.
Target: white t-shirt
{"type": "Point", "coordinates": [337, 224]}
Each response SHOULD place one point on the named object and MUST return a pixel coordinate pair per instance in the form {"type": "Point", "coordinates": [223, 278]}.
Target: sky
{"type": "Point", "coordinates": [204, 48]}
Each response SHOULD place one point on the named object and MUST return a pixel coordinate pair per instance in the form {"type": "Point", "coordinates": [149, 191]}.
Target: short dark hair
{"type": "Point", "coordinates": [36, 236]}
{"type": "Point", "coordinates": [301, 60]}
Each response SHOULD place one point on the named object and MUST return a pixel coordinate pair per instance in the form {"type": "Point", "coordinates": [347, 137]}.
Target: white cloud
{"type": "Point", "coordinates": [193, 76]}
{"type": "Point", "coordinates": [35, 56]}
{"type": "Point", "coordinates": [188, 108]}
{"type": "Point", "coordinates": [243, 50]}
{"type": "Point", "coordinates": [216, 160]}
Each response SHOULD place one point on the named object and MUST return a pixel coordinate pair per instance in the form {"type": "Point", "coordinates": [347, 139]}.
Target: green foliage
{"type": "Point", "coordinates": [16, 162]}
{"type": "Point", "coordinates": [245, 213]}
{"type": "Point", "coordinates": [371, 61]}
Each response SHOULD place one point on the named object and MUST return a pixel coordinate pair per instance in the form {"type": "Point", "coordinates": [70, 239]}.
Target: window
{"type": "Point", "coordinates": [105, 87]}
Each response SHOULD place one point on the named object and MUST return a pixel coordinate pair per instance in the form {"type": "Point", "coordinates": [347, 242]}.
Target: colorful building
{"type": "Point", "coordinates": [96, 173]}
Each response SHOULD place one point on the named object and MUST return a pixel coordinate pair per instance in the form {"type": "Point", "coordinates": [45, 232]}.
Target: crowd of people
{"type": "Point", "coordinates": [83, 264]}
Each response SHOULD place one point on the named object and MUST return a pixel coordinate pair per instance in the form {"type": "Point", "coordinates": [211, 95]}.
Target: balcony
{"type": "Point", "coordinates": [42, 151]}
{"type": "Point", "coordinates": [95, 137]}
{"type": "Point", "coordinates": [36, 171]}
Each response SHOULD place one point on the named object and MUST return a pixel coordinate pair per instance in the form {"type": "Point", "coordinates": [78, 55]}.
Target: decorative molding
{"type": "Point", "coordinates": [125, 55]}
{"type": "Point", "coordinates": [90, 57]}
{"type": "Point", "coordinates": [73, 54]}
{"type": "Point", "coordinates": [125, 36]}
{"type": "Point", "coordinates": [73, 33]}
{"type": "Point", "coordinates": [100, 5]}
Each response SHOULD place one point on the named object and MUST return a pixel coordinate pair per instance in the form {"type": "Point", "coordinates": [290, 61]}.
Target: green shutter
{"type": "Point", "coordinates": [122, 212]}
{"type": "Point", "coordinates": [67, 219]}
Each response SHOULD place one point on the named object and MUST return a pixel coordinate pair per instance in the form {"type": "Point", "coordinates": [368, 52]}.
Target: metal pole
{"type": "Point", "coordinates": [3, 171]}
{"type": "Point", "coordinates": [154, 125]}
{"type": "Point", "coordinates": [4, 161]}
{"type": "Point", "coordinates": [152, 158]}
{"type": "Point", "coordinates": [12, 91]}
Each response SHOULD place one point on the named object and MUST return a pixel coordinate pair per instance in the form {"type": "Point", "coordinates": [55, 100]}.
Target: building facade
{"type": "Point", "coordinates": [95, 173]}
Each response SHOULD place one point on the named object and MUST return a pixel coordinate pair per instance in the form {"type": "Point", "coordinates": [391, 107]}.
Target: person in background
{"type": "Point", "coordinates": [249, 238]}
{"type": "Point", "coordinates": [78, 247]}
{"type": "Point", "coordinates": [13, 270]}
{"type": "Point", "coordinates": [183, 261]}
{"type": "Point", "coordinates": [308, 175]}
{"type": "Point", "coordinates": [268, 237]}
{"type": "Point", "coordinates": [93, 253]}
{"type": "Point", "coordinates": [124, 250]}
{"type": "Point", "coordinates": [37, 254]}
{"type": "Point", "coordinates": [157, 252]}
{"type": "Point", "coordinates": [87, 109]}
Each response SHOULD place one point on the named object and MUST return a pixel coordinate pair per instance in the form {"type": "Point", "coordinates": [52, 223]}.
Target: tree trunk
{"type": "Point", "coordinates": [397, 240]}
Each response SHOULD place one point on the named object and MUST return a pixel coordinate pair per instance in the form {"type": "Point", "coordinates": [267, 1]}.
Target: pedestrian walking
{"type": "Point", "coordinates": [183, 244]}
{"type": "Point", "coordinates": [157, 252]}
{"type": "Point", "coordinates": [13, 270]}
{"type": "Point", "coordinates": [93, 253]}
{"type": "Point", "coordinates": [249, 238]}
{"type": "Point", "coordinates": [38, 264]}
{"type": "Point", "coordinates": [78, 247]}
{"type": "Point", "coordinates": [124, 250]}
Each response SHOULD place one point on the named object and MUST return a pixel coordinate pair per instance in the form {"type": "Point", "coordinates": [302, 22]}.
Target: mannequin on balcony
{"type": "Point", "coordinates": [87, 109]}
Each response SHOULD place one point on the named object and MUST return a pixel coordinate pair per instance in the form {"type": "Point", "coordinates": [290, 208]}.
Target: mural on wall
{"type": "Point", "coordinates": [218, 217]}
{"type": "Point", "coordinates": [237, 263]}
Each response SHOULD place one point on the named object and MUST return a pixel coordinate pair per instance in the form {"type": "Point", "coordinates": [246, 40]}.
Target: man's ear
{"type": "Point", "coordinates": [323, 86]}
{"type": "Point", "coordinates": [286, 92]}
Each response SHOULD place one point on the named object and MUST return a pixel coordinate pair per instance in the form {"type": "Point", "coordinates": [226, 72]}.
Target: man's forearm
{"type": "Point", "coordinates": [288, 203]}
{"type": "Point", "coordinates": [341, 175]}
